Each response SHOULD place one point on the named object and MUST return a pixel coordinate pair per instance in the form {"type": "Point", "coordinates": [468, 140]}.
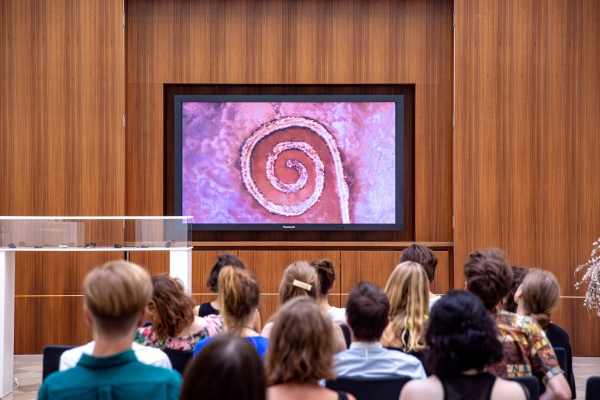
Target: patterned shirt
{"type": "Point", "coordinates": [147, 336]}
{"type": "Point", "coordinates": [527, 350]}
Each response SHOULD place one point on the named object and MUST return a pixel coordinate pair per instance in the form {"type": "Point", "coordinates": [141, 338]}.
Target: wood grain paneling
{"type": "Point", "coordinates": [291, 42]}
{"type": "Point", "coordinates": [526, 155]}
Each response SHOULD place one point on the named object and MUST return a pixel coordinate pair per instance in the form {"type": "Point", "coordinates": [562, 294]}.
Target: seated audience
{"type": "Point", "coordinates": [326, 273]}
{"type": "Point", "coordinates": [212, 283]}
{"type": "Point", "coordinates": [408, 291]}
{"type": "Point", "coordinates": [301, 353]}
{"type": "Point", "coordinates": [462, 340]}
{"type": "Point", "coordinates": [115, 296]}
{"type": "Point", "coordinates": [301, 280]}
{"type": "Point", "coordinates": [174, 325]}
{"type": "Point", "coordinates": [526, 348]}
{"type": "Point", "coordinates": [239, 293]}
{"type": "Point", "coordinates": [227, 368]}
{"type": "Point", "coordinates": [146, 355]}
{"type": "Point", "coordinates": [537, 297]}
{"type": "Point", "coordinates": [518, 276]}
{"type": "Point", "coordinates": [426, 258]}
{"type": "Point", "coordinates": [367, 311]}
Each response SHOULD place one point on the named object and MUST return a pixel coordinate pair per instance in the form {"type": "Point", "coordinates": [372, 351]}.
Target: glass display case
{"type": "Point", "coordinates": [124, 234]}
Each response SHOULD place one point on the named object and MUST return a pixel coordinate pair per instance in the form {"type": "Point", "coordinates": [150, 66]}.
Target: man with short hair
{"type": "Point", "coordinates": [115, 295]}
{"type": "Point", "coordinates": [367, 315]}
{"type": "Point", "coordinates": [527, 350]}
{"type": "Point", "coordinates": [426, 258]}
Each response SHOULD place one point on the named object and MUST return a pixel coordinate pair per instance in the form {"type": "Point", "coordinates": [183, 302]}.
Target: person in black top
{"type": "Point", "coordinates": [212, 282]}
{"type": "Point", "coordinates": [461, 341]}
{"type": "Point", "coordinates": [538, 297]}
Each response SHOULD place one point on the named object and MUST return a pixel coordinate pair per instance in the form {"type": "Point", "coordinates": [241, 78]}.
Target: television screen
{"type": "Point", "coordinates": [290, 162]}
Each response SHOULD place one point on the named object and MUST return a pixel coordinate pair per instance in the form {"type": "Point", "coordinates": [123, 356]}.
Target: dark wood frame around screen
{"type": "Point", "coordinates": [408, 91]}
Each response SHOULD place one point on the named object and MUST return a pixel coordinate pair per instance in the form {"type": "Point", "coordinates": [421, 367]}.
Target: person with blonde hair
{"type": "Point", "coordinates": [300, 353]}
{"type": "Point", "coordinates": [174, 325]}
{"type": "Point", "coordinates": [538, 297]}
{"type": "Point", "coordinates": [301, 280]}
{"type": "Point", "coordinates": [425, 257]}
{"type": "Point", "coordinates": [408, 291]}
{"type": "Point", "coordinates": [115, 297]}
{"type": "Point", "coordinates": [240, 294]}
{"type": "Point", "coordinates": [326, 273]}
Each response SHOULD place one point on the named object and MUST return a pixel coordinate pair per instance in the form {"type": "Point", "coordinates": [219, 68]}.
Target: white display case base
{"type": "Point", "coordinates": [7, 320]}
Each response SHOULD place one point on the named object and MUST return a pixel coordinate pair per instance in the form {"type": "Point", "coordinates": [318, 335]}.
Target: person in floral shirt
{"type": "Point", "coordinates": [174, 325]}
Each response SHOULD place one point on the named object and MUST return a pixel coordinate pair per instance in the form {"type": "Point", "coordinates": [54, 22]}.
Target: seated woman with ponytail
{"type": "Point", "coordinates": [408, 291]}
{"type": "Point", "coordinates": [537, 297]}
{"type": "Point", "coordinates": [239, 293]}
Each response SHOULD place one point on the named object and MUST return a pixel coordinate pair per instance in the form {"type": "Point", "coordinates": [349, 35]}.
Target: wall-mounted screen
{"type": "Point", "coordinates": [306, 162]}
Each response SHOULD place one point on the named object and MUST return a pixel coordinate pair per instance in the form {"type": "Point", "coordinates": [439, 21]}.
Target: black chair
{"type": "Point", "coordinates": [347, 336]}
{"type": "Point", "coordinates": [529, 382]}
{"type": "Point", "coordinates": [592, 388]}
{"type": "Point", "coordinates": [179, 359]}
{"type": "Point", "coordinates": [367, 389]}
{"type": "Point", "coordinates": [51, 359]}
{"type": "Point", "coordinates": [561, 356]}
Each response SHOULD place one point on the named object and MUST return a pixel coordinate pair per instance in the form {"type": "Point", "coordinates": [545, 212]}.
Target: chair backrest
{"type": "Point", "coordinates": [347, 336]}
{"type": "Point", "coordinates": [51, 359]}
{"type": "Point", "coordinates": [179, 358]}
{"type": "Point", "coordinates": [561, 356]}
{"type": "Point", "coordinates": [592, 388]}
{"type": "Point", "coordinates": [531, 383]}
{"type": "Point", "coordinates": [366, 389]}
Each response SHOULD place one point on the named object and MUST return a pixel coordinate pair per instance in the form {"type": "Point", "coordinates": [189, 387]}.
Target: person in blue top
{"type": "Point", "coordinates": [115, 298]}
{"type": "Point", "coordinates": [239, 293]}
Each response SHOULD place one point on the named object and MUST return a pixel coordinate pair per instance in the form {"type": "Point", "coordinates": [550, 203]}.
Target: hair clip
{"type": "Point", "coordinates": [302, 285]}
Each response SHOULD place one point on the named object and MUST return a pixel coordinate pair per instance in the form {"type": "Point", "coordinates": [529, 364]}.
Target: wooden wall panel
{"type": "Point", "coordinates": [526, 155]}
{"type": "Point", "coordinates": [292, 42]}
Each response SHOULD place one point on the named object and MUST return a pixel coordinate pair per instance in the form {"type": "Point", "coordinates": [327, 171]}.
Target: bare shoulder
{"type": "Point", "coordinates": [266, 331]}
{"type": "Point", "coordinates": [504, 389]}
{"type": "Point", "coordinates": [423, 389]}
{"type": "Point", "coordinates": [196, 310]}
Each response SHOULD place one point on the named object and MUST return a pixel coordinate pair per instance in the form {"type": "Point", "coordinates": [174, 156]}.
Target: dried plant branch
{"type": "Point", "coordinates": [592, 277]}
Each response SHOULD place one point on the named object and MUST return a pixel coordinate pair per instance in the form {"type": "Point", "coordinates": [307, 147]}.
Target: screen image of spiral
{"type": "Point", "coordinates": [289, 163]}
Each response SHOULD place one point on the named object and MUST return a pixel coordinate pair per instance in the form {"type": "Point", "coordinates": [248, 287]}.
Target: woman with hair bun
{"type": "Point", "coordinates": [538, 297]}
{"type": "Point", "coordinates": [174, 325]}
{"type": "Point", "coordinates": [240, 294]}
{"type": "Point", "coordinates": [462, 340]}
{"type": "Point", "coordinates": [326, 273]}
{"type": "Point", "coordinates": [301, 280]}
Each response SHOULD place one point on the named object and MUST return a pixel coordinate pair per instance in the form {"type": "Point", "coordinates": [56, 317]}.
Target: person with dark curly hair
{"type": "Point", "coordinates": [461, 340]}
{"type": "Point", "coordinates": [212, 283]}
{"type": "Point", "coordinates": [174, 325]}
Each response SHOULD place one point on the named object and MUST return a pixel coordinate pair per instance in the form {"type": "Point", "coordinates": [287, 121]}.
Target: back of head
{"type": "Point", "coordinates": [171, 308]}
{"type": "Point", "coordinates": [223, 260]}
{"type": "Point", "coordinates": [115, 294]}
{"type": "Point", "coordinates": [518, 276]}
{"type": "Point", "coordinates": [368, 310]}
{"type": "Point", "coordinates": [301, 344]}
{"type": "Point", "coordinates": [461, 335]}
{"type": "Point", "coordinates": [422, 255]}
{"type": "Point", "coordinates": [227, 368]}
{"type": "Point", "coordinates": [540, 295]}
{"type": "Point", "coordinates": [488, 275]}
{"type": "Point", "coordinates": [408, 291]}
{"type": "Point", "coordinates": [239, 293]}
{"type": "Point", "coordinates": [299, 279]}
{"type": "Point", "coordinates": [326, 273]}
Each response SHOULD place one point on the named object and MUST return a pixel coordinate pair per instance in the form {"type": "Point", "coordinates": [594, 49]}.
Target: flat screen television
{"type": "Point", "coordinates": [289, 162]}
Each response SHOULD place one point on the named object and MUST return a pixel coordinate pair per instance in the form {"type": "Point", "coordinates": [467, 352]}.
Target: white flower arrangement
{"type": "Point", "coordinates": [592, 276]}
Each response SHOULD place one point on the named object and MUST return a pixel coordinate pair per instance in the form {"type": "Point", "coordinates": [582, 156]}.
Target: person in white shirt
{"type": "Point", "coordinates": [326, 272]}
{"type": "Point", "coordinates": [367, 311]}
{"type": "Point", "coordinates": [423, 255]}
{"type": "Point", "coordinates": [145, 355]}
